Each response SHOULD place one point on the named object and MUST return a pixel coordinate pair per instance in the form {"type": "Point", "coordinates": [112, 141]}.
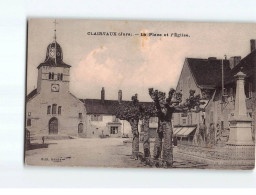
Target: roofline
{"type": "Point", "coordinates": [193, 73]}
{"type": "Point", "coordinates": [181, 73]}
{"type": "Point", "coordinates": [27, 100]}
{"type": "Point", "coordinates": [83, 100]}
{"type": "Point", "coordinates": [80, 100]}
{"type": "Point", "coordinates": [41, 64]}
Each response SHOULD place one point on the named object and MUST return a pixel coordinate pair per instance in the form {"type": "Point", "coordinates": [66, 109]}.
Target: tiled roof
{"type": "Point", "coordinates": [207, 72]}
{"type": "Point", "coordinates": [248, 65]}
{"type": "Point", "coordinates": [96, 106]}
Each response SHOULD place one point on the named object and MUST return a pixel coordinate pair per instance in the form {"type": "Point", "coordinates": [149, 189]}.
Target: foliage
{"type": "Point", "coordinates": [165, 106]}
{"type": "Point", "coordinates": [147, 110]}
{"type": "Point", "coordinates": [129, 111]}
{"type": "Point", "coordinates": [192, 103]}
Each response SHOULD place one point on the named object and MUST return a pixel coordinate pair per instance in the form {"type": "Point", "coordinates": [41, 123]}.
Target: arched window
{"type": "Point", "coordinates": [29, 122]}
{"type": "Point", "coordinates": [61, 76]}
{"type": "Point", "coordinates": [59, 110]}
{"type": "Point", "coordinates": [50, 75]}
{"type": "Point", "coordinates": [49, 110]}
{"type": "Point", "coordinates": [54, 108]}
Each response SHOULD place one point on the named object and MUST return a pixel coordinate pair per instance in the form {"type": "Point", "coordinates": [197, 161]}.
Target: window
{"type": "Point", "coordinates": [49, 110]}
{"type": "Point", "coordinates": [211, 116]}
{"type": "Point", "coordinates": [50, 75]}
{"type": "Point", "coordinates": [58, 76]}
{"type": "Point", "coordinates": [59, 110]}
{"type": "Point", "coordinates": [61, 76]}
{"type": "Point", "coordinates": [248, 89]}
{"type": "Point", "coordinates": [29, 122]}
{"type": "Point", "coordinates": [184, 114]}
{"type": "Point", "coordinates": [80, 115]}
{"type": "Point", "coordinates": [184, 121]}
{"type": "Point", "coordinates": [153, 120]}
{"type": "Point", "coordinates": [54, 107]}
{"type": "Point", "coordinates": [96, 117]}
{"type": "Point", "coordinates": [113, 130]}
{"type": "Point", "coordinates": [115, 119]}
{"type": "Point", "coordinates": [231, 93]}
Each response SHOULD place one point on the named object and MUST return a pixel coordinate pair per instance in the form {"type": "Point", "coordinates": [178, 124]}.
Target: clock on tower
{"type": "Point", "coordinates": [55, 88]}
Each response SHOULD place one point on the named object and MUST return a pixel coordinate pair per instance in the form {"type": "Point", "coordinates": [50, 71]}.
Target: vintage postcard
{"type": "Point", "coordinates": [140, 94]}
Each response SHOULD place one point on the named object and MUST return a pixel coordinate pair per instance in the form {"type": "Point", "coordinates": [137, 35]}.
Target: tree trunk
{"type": "Point", "coordinates": [167, 146]}
{"type": "Point", "coordinates": [135, 139]}
{"type": "Point", "coordinates": [158, 141]}
{"type": "Point", "coordinates": [146, 143]}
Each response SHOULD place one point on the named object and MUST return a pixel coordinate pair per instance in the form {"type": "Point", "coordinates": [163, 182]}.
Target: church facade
{"type": "Point", "coordinates": [50, 108]}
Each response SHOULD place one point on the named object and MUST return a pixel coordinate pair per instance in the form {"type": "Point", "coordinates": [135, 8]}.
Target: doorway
{"type": "Point", "coordinates": [53, 126]}
{"type": "Point", "coordinates": [80, 128]}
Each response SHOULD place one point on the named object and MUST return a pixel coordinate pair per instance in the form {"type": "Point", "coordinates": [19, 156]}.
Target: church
{"type": "Point", "coordinates": [50, 108]}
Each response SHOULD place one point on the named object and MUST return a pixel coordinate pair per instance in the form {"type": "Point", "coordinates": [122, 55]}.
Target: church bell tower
{"type": "Point", "coordinates": [53, 73]}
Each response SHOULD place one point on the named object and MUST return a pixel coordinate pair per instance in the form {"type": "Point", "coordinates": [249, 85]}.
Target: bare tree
{"type": "Point", "coordinates": [130, 111]}
{"type": "Point", "coordinates": [147, 110]}
{"type": "Point", "coordinates": [166, 106]}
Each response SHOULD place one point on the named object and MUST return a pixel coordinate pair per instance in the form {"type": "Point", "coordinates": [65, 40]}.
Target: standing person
{"type": "Point", "coordinates": [211, 135]}
{"type": "Point", "coordinates": [202, 130]}
{"type": "Point", "coordinates": [43, 139]}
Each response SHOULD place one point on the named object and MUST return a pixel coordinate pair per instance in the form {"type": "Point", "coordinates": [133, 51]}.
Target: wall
{"type": "Point", "coordinates": [185, 84]}
{"type": "Point", "coordinates": [68, 120]}
{"type": "Point", "coordinates": [97, 128]}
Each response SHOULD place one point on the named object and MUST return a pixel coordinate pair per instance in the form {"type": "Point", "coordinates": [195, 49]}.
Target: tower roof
{"type": "Point", "coordinates": [54, 56]}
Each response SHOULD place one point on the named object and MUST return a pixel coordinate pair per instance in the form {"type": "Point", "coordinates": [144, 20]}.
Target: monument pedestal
{"type": "Point", "coordinates": [240, 132]}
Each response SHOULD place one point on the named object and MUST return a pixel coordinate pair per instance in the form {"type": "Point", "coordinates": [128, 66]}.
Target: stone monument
{"type": "Point", "coordinates": [240, 144]}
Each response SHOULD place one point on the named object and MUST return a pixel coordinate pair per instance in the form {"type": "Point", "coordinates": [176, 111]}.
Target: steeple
{"type": "Point", "coordinates": [54, 55]}
{"type": "Point", "coordinates": [55, 40]}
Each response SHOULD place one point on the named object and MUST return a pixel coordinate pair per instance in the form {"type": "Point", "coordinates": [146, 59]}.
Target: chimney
{"type": "Point", "coordinates": [120, 96]}
{"type": "Point", "coordinates": [253, 44]}
{"type": "Point", "coordinates": [233, 61]}
{"type": "Point", "coordinates": [102, 95]}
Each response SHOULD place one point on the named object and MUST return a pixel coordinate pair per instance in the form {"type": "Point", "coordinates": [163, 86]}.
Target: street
{"type": "Point", "coordinates": [92, 152]}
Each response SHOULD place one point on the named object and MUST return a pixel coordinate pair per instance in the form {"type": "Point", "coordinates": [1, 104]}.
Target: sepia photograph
{"type": "Point", "coordinates": [140, 94]}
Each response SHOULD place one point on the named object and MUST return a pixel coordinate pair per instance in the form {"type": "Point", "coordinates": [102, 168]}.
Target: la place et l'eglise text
{"type": "Point", "coordinates": [138, 34]}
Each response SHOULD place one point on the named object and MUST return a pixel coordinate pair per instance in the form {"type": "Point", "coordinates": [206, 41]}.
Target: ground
{"type": "Point", "coordinates": [92, 152]}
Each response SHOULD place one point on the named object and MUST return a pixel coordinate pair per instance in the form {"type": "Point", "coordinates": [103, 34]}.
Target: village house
{"type": "Point", "coordinates": [200, 75]}
{"type": "Point", "coordinates": [214, 80]}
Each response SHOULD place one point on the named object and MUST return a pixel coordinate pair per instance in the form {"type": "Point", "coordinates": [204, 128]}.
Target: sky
{"type": "Point", "coordinates": [131, 63]}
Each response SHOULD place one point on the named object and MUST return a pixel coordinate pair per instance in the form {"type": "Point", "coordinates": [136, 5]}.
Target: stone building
{"type": "Point", "coordinates": [202, 76]}
{"type": "Point", "coordinates": [50, 108]}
